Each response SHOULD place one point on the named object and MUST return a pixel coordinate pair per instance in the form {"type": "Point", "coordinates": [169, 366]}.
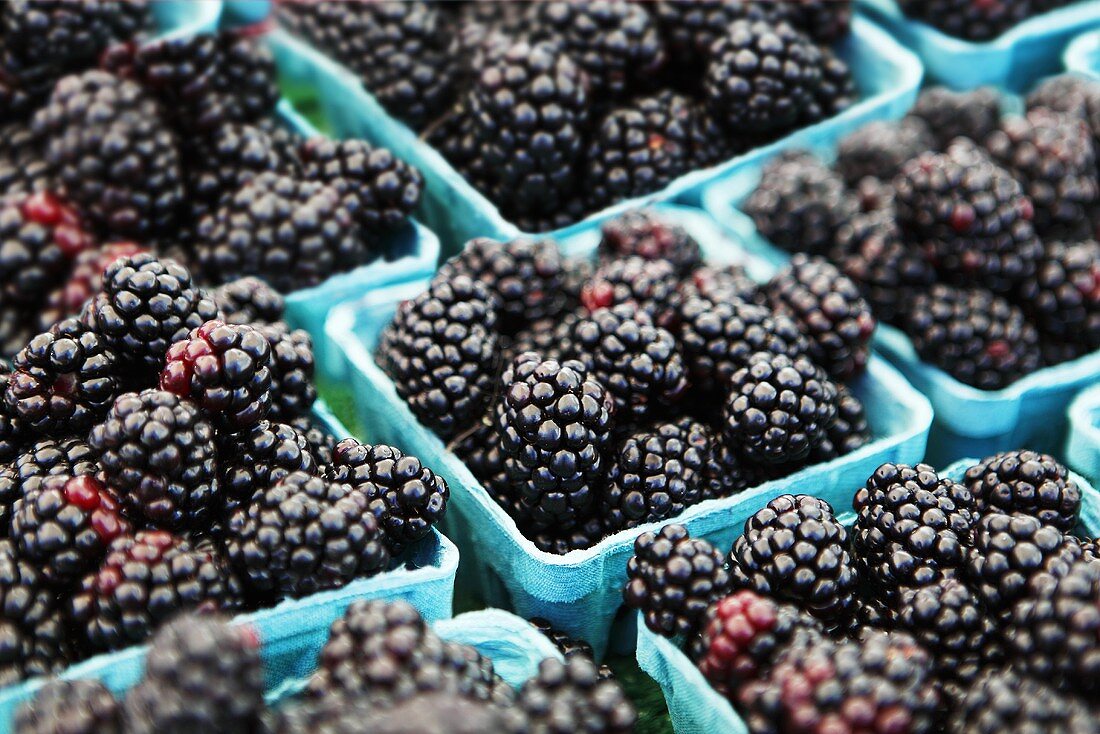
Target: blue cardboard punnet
{"type": "Point", "coordinates": [1083, 442]}
{"type": "Point", "coordinates": [295, 629]}
{"type": "Point", "coordinates": [695, 707]}
{"type": "Point", "coordinates": [1013, 61]}
{"type": "Point", "coordinates": [186, 17]}
{"type": "Point", "coordinates": [887, 75]}
{"type": "Point", "coordinates": [1082, 55]}
{"type": "Point", "coordinates": [581, 592]}
{"type": "Point", "coordinates": [968, 422]}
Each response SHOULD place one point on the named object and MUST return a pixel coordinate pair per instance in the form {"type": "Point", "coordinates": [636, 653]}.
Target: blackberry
{"type": "Point", "coordinates": [1026, 483]}
{"type": "Point", "coordinates": [1070, 94]}
{"type": "Point", "coordinates": [1051, 155]}
{"type": "Point", "coordinates": [255, 460]}
{"type": "Point", "coordinates": [292, 366]}
{"type": "Point", "coordinates": [973, 22]}
{"type": "Point", "coordinates": [320, 440]}
{"type": "Point", "coordinates": [825, 21]}
{"type": "Point", "coordinates": [39, 236]}
{"type": "Point", "coordinates": [651, 285]}
{"type": "Point", "coordinates": [50, 457]}
{"type": "Point", "coordinates": [977, 337]}
{"type": "Point", "coordinates": [560, 542]}
{"type": "Point", "coordinates": [249, 300]}
{"type": "Point", "coordinates": [691, 28]}
{"type": "Point", "coordinates": [109, 145]}
{"type": "Point", "coordinates": [778, 408]}
{"type": "Point", "coordinates": [555, 424]}
{"type": "Point", "coordinates": [158, 451]}
{"type": "Point", "coordinates": [479, 449]}
{"type": "Point", "coordinates": [12, 430]}
{"type": "Point", "coordinates": [638, 362]}
{"type": "Point", "coordinates": [722, 283]}
{"type": "Point", "coordinates": [407, 497]}
{"type": "Point", "coordinates": [291, 233]}
{"type": "Point", "coordinates": [69, 707]}
{"type": "Point", "coordinates": [880, 148]}
{"type": "Point", "coordinates": [23, 170]}
{"type": "Point", "coordinates": [744, 634]}
{"type": "Point", "coordinates": [144, 580]}
{"type": "Point", "coordinates": [795, 550]}
{"type": "Point", "coordinates": [828, 308]}
{"type": "Point", "coordinates": [1012, 552]}
{"type": "Point", "coordinates": [84, 282]}
{"type": "Point", "coordinates": [525, 275]}
{"type": "Point", "coordinates": [948, 620]}
{"type": "Point", "coordinates": [33, 635]}
{"type": "Point", "coordinates": [201, 674]}
{"type": "Point", "coordinates": [571, 696]}
{"type": "Point", "coordinates": [381, 189]}
{"type": "Point", "coordinates": [950, 114]}
{"type": "Point", "coordinates": [672, 578]}
{"type": "Point", "coordinates": [66, 378]}
{"type": "Point", "coordinates": [847, 433]}
{"type": "Point", "coordinates": [568, 646]}
{"type": "Point", "coordinates": [145, 306]}
{"type": "Point", "coordinates": [1064, 296]}
{"type": "Point", "coordinates": [440, 713]}
{"type": "Point", "coordinates": [644, 233]}
{"type": "Point", "coordinates": [442, 352]}
{"type": "Point", "coordinates": [799, 204]}
{"type": "Point", "coordinates": [1006, 702]}
{"type": "Point", "coordinates": [246, 78]}
{"type": "Point", "coordinates": [912, 527]}
{"type": "Point", "coordinates": [761, 77]}
{"type": "Point", "coordinates": [303, 535]}
{"type": "Point", "coordinates": [837, 90]}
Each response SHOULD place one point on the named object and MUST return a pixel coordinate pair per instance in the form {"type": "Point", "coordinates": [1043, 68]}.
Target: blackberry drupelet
{"type": "Point", "coordinates": [292, 366]}
{"type": "Point", "coordinates": [829, 310]}
{"type": "Point", "coordinates": [778, 408]}
{"type": "Point", "coordinates": [289, 232]}
{"type": "Point", "coordinates": [1063, 298]}
{"type": "Point", "coordinates": [967, 20]}
{"type": "Point", "coordinates": [799, 204]}
{"type": "Point", "coordinates": [794, 550]}
{"type": "Point", "coordinates": [406, 497]}
{"type": "Point", "coordinates": [64, 379]}
{"type": "Point", "coordinates": [568, 646]}
{"type": "Point", "coordinates": [950, 114]}
{"type": "Point", "coordinates": [1026, 483]}
{"type": "Point", "coordinates": [1003, 701]}
{"type": "Point", "coordinates": [442, 351]}
{"type": "Point", "coordinates": [638, 362]}
{"type": "Point", "coordinates": [255, 460]}
{"type": "Point", "coordinates": [249, 300]}
{"type": "Point", "coordinates": [555, 422]}
{"type": "Point", "coordinates": [84, 281]}
{"type": "Point", "coordinates": [651, 285]}
{"type": "Point", "coordinates": [39, 236]}
{"type": "Point", "coordinates": [201, 674]}
{"type": "Point", "coordinates": [380, 189]}
{"type": "Point", "coordinates": [672, 578]}
{"type": "Point", "coordinates": [158, 451]}
{"type": "Point", "coordinates": [744, 634]}
{"type": "Point", "coordinates": [69, 707]}
{"type": "Point", "coordinates": [64, 524]}
{"type": "Point", "coordinates": [880, 148]}
{"type": "Point", "coordinates": [572, 697]}
{"type": "Point", "coordinates": [146, 305]}
{"type": "Point", "coordinates": [644, 233]}
{"type": "Point", "coordinates": [1052, 157]}
{"type": "Point", "coordinates": [847, 433]}
{"type": "Point", "coordinates": [144, 580]}
{"type": "Point", "coordinates": [33, 637]}
{"type": "Point", "coordinates": [948, 620]}
{"type": "Point", "coordinates": [979, 338]}
{"type": "Point", "coordinates": [303, 535]}
{"type": "Point", "coordinates": [912, 527]}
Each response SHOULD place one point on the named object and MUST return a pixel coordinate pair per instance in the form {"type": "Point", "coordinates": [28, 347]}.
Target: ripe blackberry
{"type": "Point", "coordinates": [880, 148]}
{"type": "Point", "coordinates": [39, 236]}
{"type": "Point", "coordinates": [407, 497]}
{"type": "Point", "coordinates": [971, 21]}
{"type": "Point", "coordinates": [303, 535]}
{"type": "Point", "coordinates": [255, 460]}
{"type": "Point", "coordinates": [912, 527]}
{"type": "Point", "coordinates": [1070, 94]}
{"type": "Point", "coordinates": [201, 674]}
{"type": "Point", "coordinates": [1063, 298]}
{"type": "Point", "coordinates": [722, 283]}
{"type": "Point", "coordinates": [837, 90]}
{"type": "Point", "coordinates": [744, 634]}
{"type": "Point", "coordinates": [69, 707]}
{"type": "Point", "coordinates": [795, 550]}
{"type": "Point", "coordinates": [50, 457]}
{"type": "Point", "coordinates": [848, 432]}
{"type": "Point", "coordinates": [568, 646]}
{"type": "Point", "coordinates": [525, 275]}
{"type": "Point", "coordinates": [761, 77]}
{"type": "Point", "coordinates": [109, 145]}
{"type": "Point", "coordinates": [289, 232]}
{"type": "Point", "coordinates": [321, 441]}
{"type": "Point", "coordinates": [12, 432]}
{"type": "Point", "coordinates": [571, 696]}
{"type": "Point", "coordinates": [950, 114]}
{"type": "Point", "coordinates": [644, 233]}
{"type": "Point", "coordinates": [799, 204]}
{"type": "Point", "coordinates": [33, 636]}
{"type": "Point", "coordinates": [825, 21]}
{"type": "Point", "coordinates": [1011, 552]}
{"type": "Point", "coordinates": [249, 300]}
{"type": "Point", "coordinates": [479, 449]}
{"type": "Point", "coordinates": [1026, 483]}
{"type": "Point", "coordinates": [691, 28]}
{"type": "Point", "coordinates": [23, 170]}
{"type": "Point", "coordinates": [778, 408]}
{"type": "Point", "coordinates": [442, 351]}
{"type": "Point", "coordinates": [979, 338]}
{"type": "Point", "coordinates": [66, 378]}
{"type": "Point", "coordinates": [440, 713]}
{"type": "Point", "coordinates": [85, 280]}
{"type": "Point", "coordinates": [828, 308]}
{"type": "Point", "coordinates": [292, 389]}
{"type": "Point", "coordinates": [381, 189]}
{"type": "Point", "coordinates": [672, 578]}
{"type": "Point", "coordinates": [1003, 701]}
{"type": "Point", "coordinates": [638, 362]}
{"type": "Point", "coordinates": [1051, 155]}
{"type": "Point", "coordinates": [651, 285]}
{"type": "Point", "coordinates": [145, 306]}
{"type": "Point", "coordinates": [559, 542]}
{"type": "Point", "coordinates": [555, 423]}
{"type": "Point", "coordinates": [158, 451]}
{"type": "Point", "coordinates": [144, 580]}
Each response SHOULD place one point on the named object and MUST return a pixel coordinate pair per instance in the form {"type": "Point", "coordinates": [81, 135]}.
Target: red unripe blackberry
{"type": "Point", "coordinates": [1026, 483]}
{"type": "Point", "coordinates": [39, 236]}
{"type": "Point", "coordinates": [643, 233]}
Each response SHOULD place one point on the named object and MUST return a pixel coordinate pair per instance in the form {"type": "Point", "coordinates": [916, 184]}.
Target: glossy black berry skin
{"type": "Point", "coordinates": [249, 300]}
{"type": "Point", "coordinates": [293, 391]}
{"type": "Point", "coordinates": [34, 640]}
{"type": "Point", "coordinates": [255, 460]}
{"type": "Point", "coordinates": [849, 432]}
{"type": "Point", "coordinates": [1028, 483]}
